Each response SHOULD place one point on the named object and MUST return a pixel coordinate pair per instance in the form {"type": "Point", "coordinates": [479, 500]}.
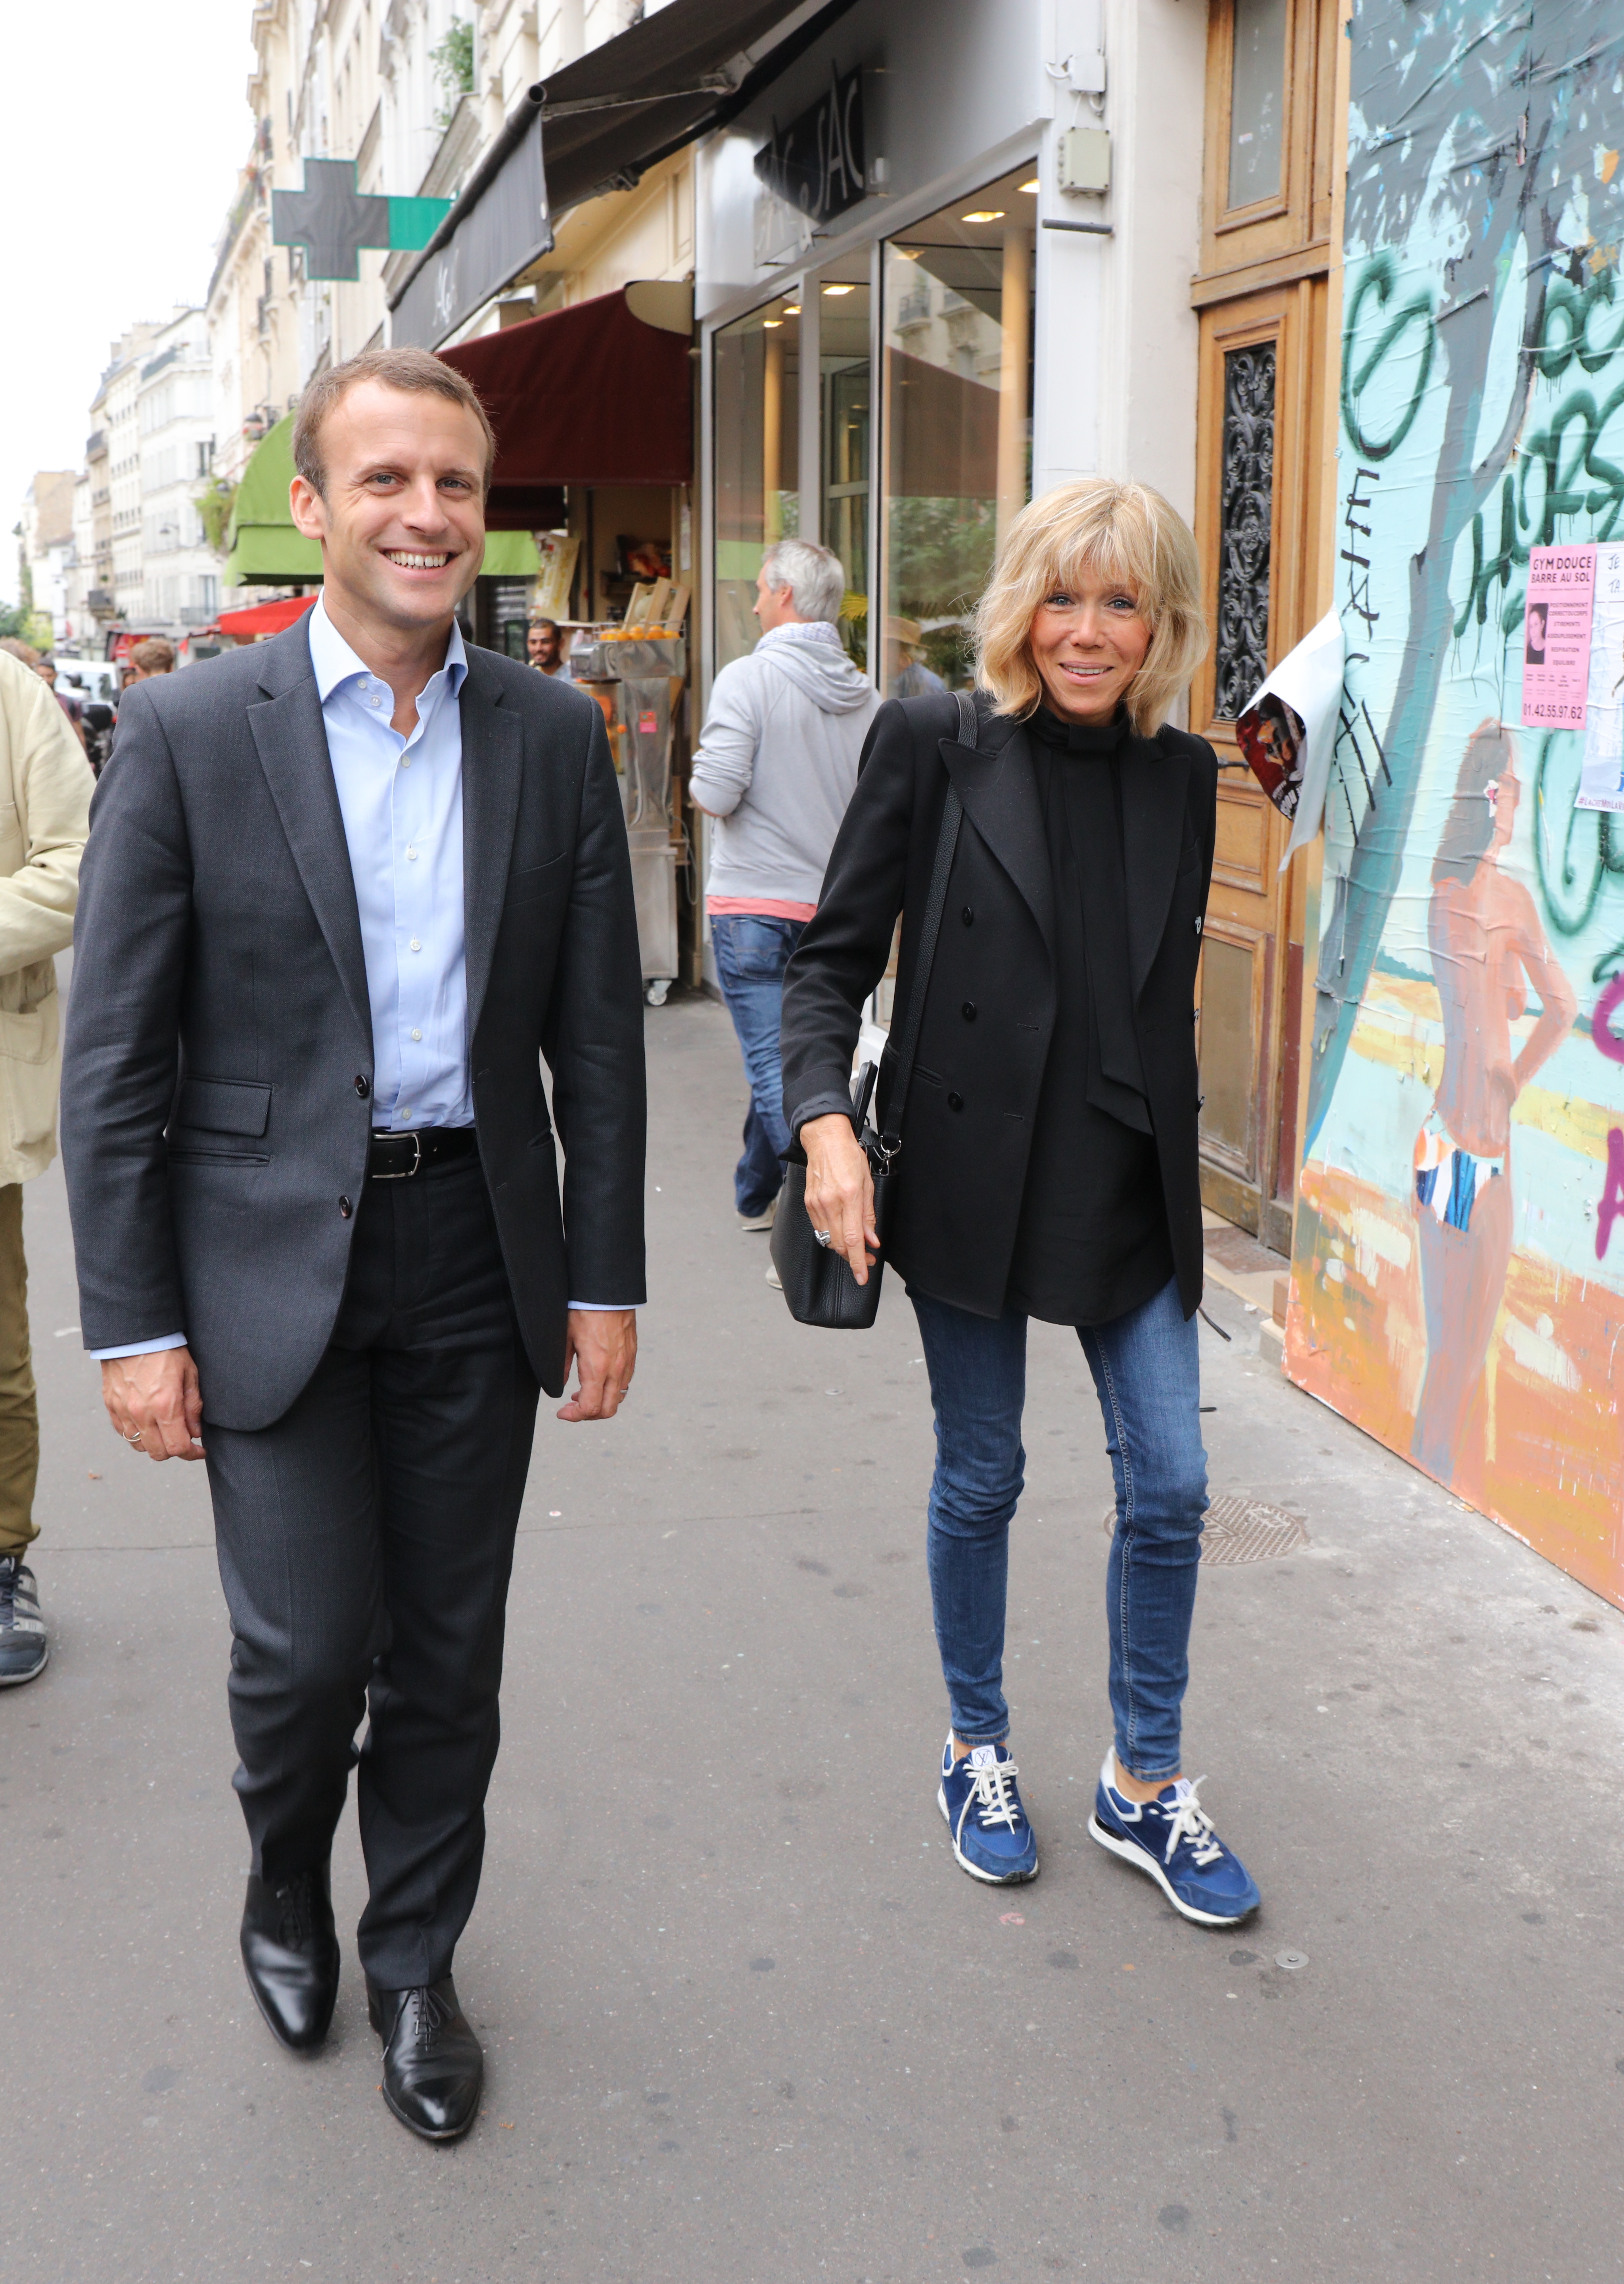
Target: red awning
{"type": "Point", "coordinates": [264, 618]}
{"type": "Point", "coordinates": [587, 396]}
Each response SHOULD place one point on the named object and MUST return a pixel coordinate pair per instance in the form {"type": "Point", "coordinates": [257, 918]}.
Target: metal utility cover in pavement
{"type": "Point", "coordinates": [1241, 1529]}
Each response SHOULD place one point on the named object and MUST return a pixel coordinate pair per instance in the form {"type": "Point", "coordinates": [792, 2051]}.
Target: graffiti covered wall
{"type": "Point", "coordinates": [1458, 1273]}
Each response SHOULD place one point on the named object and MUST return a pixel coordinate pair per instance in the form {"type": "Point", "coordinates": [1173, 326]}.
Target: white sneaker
{"type": "Point", "coordinates": [761, 1221]}
{"type": "Point", "coordinates": [774, 1279]}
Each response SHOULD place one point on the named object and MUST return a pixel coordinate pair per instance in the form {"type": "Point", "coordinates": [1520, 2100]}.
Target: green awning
{"type": "Point", "coordinates": [511, 555]}
{"type": "Point", "coordinates": [265, 549]}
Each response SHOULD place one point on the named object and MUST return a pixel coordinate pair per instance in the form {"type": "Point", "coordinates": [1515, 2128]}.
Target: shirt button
{"type": "Point", "coordinates": [375, 701]}
{"type": "Point", "coordinates": [405, 761]}
{"type": "Point", "coordinates": [411, 855]}
{"type": "Point", "coordinates": [417, 1035]}
{"type": "Point", "coordinates": [416, 943]}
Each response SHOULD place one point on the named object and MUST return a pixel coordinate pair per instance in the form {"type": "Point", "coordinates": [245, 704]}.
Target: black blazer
{"type": "Point", "coordinates": [990, 1008]}
{"type": "Point", "coordinates": [217, 1070]}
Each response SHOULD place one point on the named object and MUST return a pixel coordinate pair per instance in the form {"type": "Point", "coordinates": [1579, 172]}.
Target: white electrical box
{"type": "Point", "coordinates": [1085, 162]}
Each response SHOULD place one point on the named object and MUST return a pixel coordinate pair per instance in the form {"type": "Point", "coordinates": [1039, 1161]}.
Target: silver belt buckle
{"type": "Point", "coordinates": [414, 1167]}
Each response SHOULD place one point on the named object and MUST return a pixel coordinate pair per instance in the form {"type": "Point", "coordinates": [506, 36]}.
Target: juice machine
{"type": "Point", "coordinates": [643, 676]}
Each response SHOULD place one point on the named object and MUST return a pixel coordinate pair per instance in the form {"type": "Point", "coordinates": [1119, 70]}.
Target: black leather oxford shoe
{"type": "Point", "coordinates": [291, 1952]}
{"type": "Point", "coordinates": [433, 2065]}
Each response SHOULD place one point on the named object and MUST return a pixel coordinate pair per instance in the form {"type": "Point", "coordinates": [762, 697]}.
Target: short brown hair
{"type": "Point", "coordinates": [153, 656]}
{"type": "Point", "coordinates": [1121, 531]}
{"type": "Point", "coordinates": [413, 372]}
{"type": "Point", "coordinates": [14, 648]}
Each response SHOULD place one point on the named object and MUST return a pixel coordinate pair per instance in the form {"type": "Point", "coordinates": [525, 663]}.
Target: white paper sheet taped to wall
{"type": "Point", "coordinates": [1289, 728]}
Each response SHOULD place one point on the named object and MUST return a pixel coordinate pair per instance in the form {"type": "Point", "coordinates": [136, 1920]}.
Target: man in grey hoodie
{"type": "Point", "coordinates": [775, 766]}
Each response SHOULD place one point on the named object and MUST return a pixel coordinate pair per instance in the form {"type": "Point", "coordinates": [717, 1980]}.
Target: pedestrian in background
{"type": "Point", "coordinates": [544, 645]}
{"type": "Point", "coordinates": [775, 767]}
{"type": "Point", "coordinates": [148, 658]}
{"type": "Point", "coordinates": [27, 655]}
{"type": "Point", "coordinates": [44, 816]}
{"type": "Point", "coordinates": [1048, 1157]}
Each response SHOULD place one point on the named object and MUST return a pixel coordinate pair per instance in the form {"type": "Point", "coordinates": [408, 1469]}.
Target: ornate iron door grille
{"type": "Point", "coordinates": [1246, 519]}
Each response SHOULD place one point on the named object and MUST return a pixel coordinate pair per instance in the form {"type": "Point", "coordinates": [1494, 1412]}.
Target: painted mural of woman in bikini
{"type": "Point", "coordinates": [1489, 949]}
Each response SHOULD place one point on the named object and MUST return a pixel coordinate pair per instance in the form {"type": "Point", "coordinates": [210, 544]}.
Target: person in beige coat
{"type": "Point", "coordinates": [45, 785]}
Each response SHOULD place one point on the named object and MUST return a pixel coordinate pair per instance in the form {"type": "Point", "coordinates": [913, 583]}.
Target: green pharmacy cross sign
{"type": "Point", "coordinates": [332, 221]}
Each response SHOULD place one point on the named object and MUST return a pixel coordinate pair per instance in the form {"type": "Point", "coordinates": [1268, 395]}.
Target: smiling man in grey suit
{"type": "Point", "coordinates": [343, 892]}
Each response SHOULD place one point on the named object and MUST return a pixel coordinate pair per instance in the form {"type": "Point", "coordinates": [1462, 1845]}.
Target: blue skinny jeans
{"type": "Point", "coordinates": [753, 950]}
{"type": "Point", "coordinates": [1147, 1373]}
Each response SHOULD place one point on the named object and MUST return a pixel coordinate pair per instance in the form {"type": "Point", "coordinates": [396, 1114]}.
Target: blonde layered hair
{"type": "Point", "coordinates": [1125, 532]}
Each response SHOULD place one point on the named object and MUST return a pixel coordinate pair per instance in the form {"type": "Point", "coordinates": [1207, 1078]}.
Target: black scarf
{"type": "Point", "coordinates": [1087, 764]}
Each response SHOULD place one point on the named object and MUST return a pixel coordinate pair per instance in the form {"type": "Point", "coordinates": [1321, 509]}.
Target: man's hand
{"type": "Point", "coordinates": [602, 1344]}
{"type": "Point", "coordinates": [155, 1403]}
{"type": "Point", "coordinates": [840, 1190]}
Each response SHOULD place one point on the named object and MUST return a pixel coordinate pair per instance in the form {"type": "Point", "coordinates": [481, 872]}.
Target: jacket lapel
{"type": "Point", "coordinates": [493, 760]}
{"type": "Point", "coordinates": [290, 738]}
{"type": "Point", "coordinates": [1153, 787]}
{"type": "Point", "coordinates": [999, 792]}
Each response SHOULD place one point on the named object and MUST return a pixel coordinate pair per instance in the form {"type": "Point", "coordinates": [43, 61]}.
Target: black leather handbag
{"type": "Point", "coordinates": [817, 1281]}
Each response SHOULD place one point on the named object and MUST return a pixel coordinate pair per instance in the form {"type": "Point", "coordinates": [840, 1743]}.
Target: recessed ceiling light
{"type": "Point", "coordinates": [911, 252]}
{"type": "Point", "coordinates": [791, 309]}
{"type": "Point", "coordinates": [1030, 187]}
{"type": "Point", "coordinates": [771, 325]}
{"type": "Point", "coordinates": [983, 214]}
{"type": "Point", "coordinates": [832, 290]}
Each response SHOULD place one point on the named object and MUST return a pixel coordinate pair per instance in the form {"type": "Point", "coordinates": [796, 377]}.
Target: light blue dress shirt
{"type": "Point", "coordinates": [401, 801]}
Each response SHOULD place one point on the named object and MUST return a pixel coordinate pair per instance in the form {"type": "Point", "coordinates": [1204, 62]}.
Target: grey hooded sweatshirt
{"type": "Point", "coordinates": [777, 762]}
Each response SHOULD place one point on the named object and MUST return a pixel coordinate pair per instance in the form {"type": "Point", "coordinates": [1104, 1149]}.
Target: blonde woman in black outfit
{"type": "Point", "coordinates": [1049, 1162]}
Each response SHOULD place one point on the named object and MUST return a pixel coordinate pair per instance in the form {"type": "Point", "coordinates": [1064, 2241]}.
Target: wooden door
{"type": "Point", "coordinates": [1261, 297]}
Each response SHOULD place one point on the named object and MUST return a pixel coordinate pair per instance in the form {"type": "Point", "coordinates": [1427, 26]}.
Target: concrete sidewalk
{"type": "Point", "coordinates": [746, 2022]}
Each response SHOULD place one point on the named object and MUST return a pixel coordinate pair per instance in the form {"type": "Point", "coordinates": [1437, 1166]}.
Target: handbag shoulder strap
{"type": "Point", "coordinates": [935, 901]}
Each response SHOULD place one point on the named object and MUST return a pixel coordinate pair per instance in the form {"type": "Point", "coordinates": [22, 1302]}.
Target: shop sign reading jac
{"type": "Point", "coordinates": [816, 164]}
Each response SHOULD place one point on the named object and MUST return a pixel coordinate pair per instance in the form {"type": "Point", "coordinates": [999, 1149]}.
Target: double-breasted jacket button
{"type": "Point", "coordinates": [956, 1102]}
{"type": "Point", "coordinates": [968, 1011]}
{"type": "Point", "coordinates": [363, 1085]}
{"type": "Point", "coordinates": [1197, 923]}
{"type": "Point", "coordinates": [345, 1209]}
{"type": "Point", "coordinates": [968, 916]}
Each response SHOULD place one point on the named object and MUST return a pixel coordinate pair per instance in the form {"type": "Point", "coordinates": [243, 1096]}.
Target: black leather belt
{"type": "Point", "coordinates": [397, 1157]}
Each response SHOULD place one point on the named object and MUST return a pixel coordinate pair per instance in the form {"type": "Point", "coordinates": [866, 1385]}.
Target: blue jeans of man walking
{"type": "Point", "coordinates": [1146, 1371]}
{"type": "Point", "coordinates": [753, 950]}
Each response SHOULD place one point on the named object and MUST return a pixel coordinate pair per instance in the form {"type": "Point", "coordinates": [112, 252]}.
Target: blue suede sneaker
{"type": "Point", "coordinates": [992, 1839]}
{"type": "Point", "coordinates": [1172, 1838]}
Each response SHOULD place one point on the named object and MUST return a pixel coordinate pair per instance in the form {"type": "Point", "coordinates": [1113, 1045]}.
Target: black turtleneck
{"type": "Point", "coordinates": [1092, 1241]}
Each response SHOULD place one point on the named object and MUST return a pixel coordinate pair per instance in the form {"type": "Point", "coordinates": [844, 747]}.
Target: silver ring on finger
{"type": "Point", "coordinates": [135, 1438]}
{"type": "Point", "coordinates": [822, 1236]}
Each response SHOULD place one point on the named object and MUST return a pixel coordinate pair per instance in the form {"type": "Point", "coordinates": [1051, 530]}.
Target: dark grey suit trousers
{"type": "Point", "coordinates": [365, 1543]}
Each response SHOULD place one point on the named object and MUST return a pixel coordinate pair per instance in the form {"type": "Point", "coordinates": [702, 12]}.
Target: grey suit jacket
{"type": "Point", "coordinates": [218, 1062]}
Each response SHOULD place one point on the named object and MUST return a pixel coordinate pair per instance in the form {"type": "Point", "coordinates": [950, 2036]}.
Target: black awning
{"type": "Point", "coordinates": [604, 118]}
{"type": "Point", "coordinates": [673, 76]}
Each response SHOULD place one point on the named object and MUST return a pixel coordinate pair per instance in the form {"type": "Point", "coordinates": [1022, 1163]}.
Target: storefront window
{"type": "Point", "coordinates": [958, 422]}
{"type": "Point", "coordinates": [847, 371]}
{"type": "Point", "coordinates": [1257, 100]}
{"type": "Point", "coordinates": [757, 459]}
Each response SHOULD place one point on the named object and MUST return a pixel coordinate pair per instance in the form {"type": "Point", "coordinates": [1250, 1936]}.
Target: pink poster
{"type": "Point", "coordinates": [1557, 636]}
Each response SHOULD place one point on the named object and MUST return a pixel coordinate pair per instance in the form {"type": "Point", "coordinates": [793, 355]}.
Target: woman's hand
{"type": "Point", "coordinates": [841, 1190]}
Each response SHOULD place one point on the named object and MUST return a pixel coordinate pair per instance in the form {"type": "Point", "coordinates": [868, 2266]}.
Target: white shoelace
{"type": "Point", "coordinates": [1191, 1821]}
{"type": "Point", "coordinates": [994, 1801]}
